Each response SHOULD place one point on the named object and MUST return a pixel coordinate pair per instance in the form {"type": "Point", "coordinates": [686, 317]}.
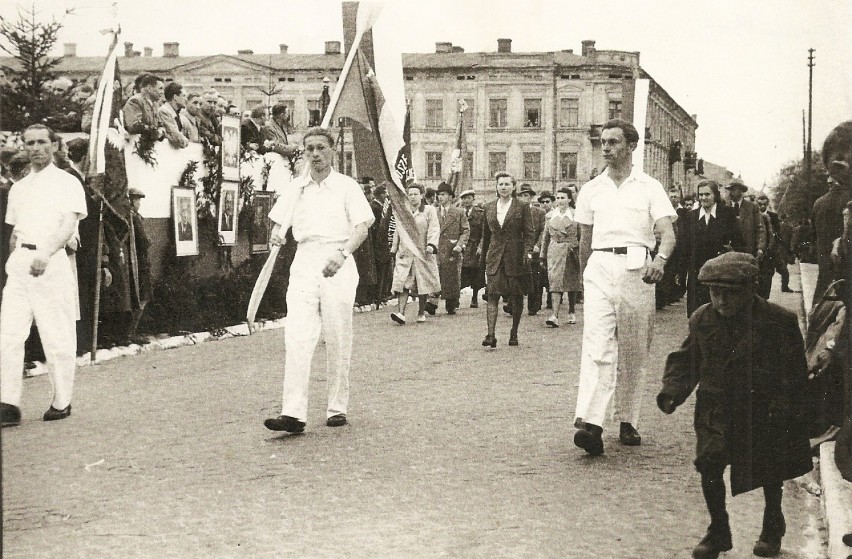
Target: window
{"type": "Point", "coordinates": [532, 165]}
{"type": "Point", "coordinates": [567, 166]}
{"type": "Point", "coordinates": [497, 111]}
{"type": "Point", "coordinates": [569, 112]}
{"type": "Point", "coordinates": [434, 113]}
{"type": "Point", "coordinates": [468, 164]}
{"type": "Point", "coordinates": [433, 164]}
{"type": "Point", "coordinates": [470, 114]}
{"type": "Point", "coordinates": [347, 163]}
{"type": "Point", "coordinates": [314, 113]}
{"type": "Point", "coordinates": [496, 162]}
{"type": "Point", "coordinates": [614, 109]}
{"type": "Point", "coordinates": [532, 113]}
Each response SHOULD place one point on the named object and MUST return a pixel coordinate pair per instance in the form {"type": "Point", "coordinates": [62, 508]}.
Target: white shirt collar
{"type": "Point", "coordinates": [702, 213]}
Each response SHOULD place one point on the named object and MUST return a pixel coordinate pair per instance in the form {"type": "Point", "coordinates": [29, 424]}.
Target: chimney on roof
{"type": "Point", "coordinates": [588, 47]}
{"type": "Point", "coordinates": [244, 52]}
{"type": "Point", "coordinates": [504, 45]}
{"type": "Point", "coordinates": [128, 50]}
{"type": "Point", "coordinates": [70, 49]}
{"type": "Point", "coordinates": [694, 117]}
{"type": "Point", "coordinates": [457, 48]}
{"type": "Point", "coordinates": [282, 48]}
{"type": "Point", "coordinates": [148, 51]}
{"type": "Point", "coordinates": [443, 47]}
{"type": "Point", "coordinates": [171, 50]}
{"type": "Point", "coordinates": [332, 47]}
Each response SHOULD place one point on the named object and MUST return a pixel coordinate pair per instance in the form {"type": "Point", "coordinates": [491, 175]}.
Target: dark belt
{"type": "Point", "coordinates": [614, 250]}
{"type": "Point", "coordinates": [28, 246]}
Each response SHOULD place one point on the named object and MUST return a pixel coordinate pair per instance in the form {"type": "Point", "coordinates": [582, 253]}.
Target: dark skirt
{"type": "Point", "coordinates": [502, 284]}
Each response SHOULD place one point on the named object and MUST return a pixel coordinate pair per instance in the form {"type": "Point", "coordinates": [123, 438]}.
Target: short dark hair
{"type": "Point", "coordinates": [366, 180]}
{"type": "Point", "coordinates": [172, 89]}
{"type": "Point", "coordinates": [77, 149]}
{"type": "Point", "coordinates": [319, 131]}
{"type": "Point", "coordinates": [838, 142]}
{"type": "Point", "coordinates": [630, 133]}
{"type": "Point", "coordinates": [50, 133]}
{"type": "Point", "coordinates": [258, 112]}
{"type": "Point", "coordinates": [763, 197]}
{"type": "Point", "coordinates": [192, 96]}
{"type": "Point", "coordinates": [502, 174]}
{"type": "Point", "coordinates": [713, 186]}
{"type": "Point", "coordinates": [278, 109]}
{"type": "Point", "coordinates": [380, 189]}
{"type": "Point", "coordinates": [149, 79]}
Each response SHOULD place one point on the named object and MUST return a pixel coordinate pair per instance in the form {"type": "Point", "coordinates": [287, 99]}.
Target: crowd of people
{"type": "Point", "coordinates": [620, 246]}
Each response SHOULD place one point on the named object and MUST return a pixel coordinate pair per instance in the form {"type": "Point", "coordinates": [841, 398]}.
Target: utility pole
{"type": "Point", "coordinates": [804, 135]}
{"type": "Point", "coordinates": [809, 150]}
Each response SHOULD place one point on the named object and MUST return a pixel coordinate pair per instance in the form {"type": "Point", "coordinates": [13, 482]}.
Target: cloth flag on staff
{"type": "Point", "coordinates": [460, 179]}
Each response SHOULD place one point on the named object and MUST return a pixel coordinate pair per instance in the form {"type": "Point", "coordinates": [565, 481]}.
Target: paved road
{"type": "Point", "coordinates": [452, 451]}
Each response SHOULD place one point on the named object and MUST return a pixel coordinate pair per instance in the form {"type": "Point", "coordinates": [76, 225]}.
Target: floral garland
{"type": "Point", "coordinates": [294, 159]}
{"type": "Point", "coordinates": [148, 139]}
{"type": "Point", "coordinates": [211, 183]}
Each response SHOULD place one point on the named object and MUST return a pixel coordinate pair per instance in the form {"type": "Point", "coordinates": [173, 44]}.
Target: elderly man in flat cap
{"type": "Point", "coordinates": [746, 357]}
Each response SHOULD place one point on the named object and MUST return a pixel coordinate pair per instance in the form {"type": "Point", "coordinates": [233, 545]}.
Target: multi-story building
{"type": "Point", "coordinates": [537, 115]}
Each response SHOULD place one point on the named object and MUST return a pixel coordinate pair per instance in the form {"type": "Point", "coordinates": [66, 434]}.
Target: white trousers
{"type": "Point", "coordinates": [49, 300]}
{"type": "Point", "coordinates": [618, 317]}
{"type": "Point", "coordinates": [316, 303]}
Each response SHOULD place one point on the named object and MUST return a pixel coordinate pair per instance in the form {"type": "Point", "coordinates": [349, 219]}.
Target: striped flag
{"type": "Point", "coordinates": [460, 179]}
{"type": "Point", "coordinates": [382, 148]}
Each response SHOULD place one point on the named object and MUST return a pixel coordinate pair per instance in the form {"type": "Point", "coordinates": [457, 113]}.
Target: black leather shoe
{"type": "Point", "coordinates": [490, 341]}
{"type": "Point", "coordinates": [10, 416]}
{"type": "Point", "coordinates": [338, 420]}
{"type": "Point", "coordinates": [513, 340]}
{"type": "Point", "coordinates": [285, 423]}
{"type": "Point", "coordinates": [715, 541]}
{"type": "Point", "coordinates": [451, 311]}
{"type": "Point", "coordinates": [430, 308]}
{"type": "Point", "coordinates": [507, 309]}
{"type": "Point", "coordinates": [53, 414]}
{"type": "Point", "coordinates": [589, 439]}
{"type": "Point", "coordinates": [769, 542]}
{"type": "Point", "coordinates": [628, 435]}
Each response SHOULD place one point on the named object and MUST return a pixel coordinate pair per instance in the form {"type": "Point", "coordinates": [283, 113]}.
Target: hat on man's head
{"type": "Point", "coordinates": [444, 187]}
{"type": "Point", "coordinates": [469, 192]}
{"type": "Point", "coordinates": [526, 189]}
{"type": "Point", "coordinates": [731, 269]}
{"type": "Point", "coordinates": [737, 183]}
{"type": "Point", "coordinates": [545, 194]}
{"type": "Point", "coordinates": [135, 193]}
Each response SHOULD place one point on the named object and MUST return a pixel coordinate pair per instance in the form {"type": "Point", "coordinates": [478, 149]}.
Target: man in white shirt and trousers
{"type": "Point", "coordinates": [330, 218]}
{"type": "Point", "coordinates": [44, 208]}
{"type": "Point", "coordinates": [618, 212]}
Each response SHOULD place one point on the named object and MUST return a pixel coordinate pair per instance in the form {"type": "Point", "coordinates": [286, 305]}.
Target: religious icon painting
{"type": "Point", "coordinates": [231, 148]}
{"type": "Point", "coordinates": [227, 218]}
{"type": "Point", "coordinates": [185, 219]}
{"type": "Point", "coordinates": [260, 224]}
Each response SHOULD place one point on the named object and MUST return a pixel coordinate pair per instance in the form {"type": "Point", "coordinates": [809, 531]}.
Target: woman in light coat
{"type": "Point", "coordinates": [560, 242]}
{"type": "Point", "coordinates": [411, 275]}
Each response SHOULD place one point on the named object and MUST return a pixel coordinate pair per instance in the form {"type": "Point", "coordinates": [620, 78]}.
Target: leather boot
{"type": "Point", "coordinates": [717, 540]}
{"type": "Point", "coordinates": [774, 528]}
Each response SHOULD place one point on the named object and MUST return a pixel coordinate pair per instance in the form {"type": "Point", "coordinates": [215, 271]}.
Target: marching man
{"type": "Point", "coordinates": [44, 208]}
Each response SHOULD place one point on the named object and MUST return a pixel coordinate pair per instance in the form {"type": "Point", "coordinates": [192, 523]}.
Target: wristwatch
{"type": "Point", "coordinates": [344, 252]}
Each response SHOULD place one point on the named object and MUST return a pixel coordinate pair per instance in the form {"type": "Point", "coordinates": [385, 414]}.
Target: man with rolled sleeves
{"type": "Point", "coordinates": [44, 208]}
{"type": "Point", "coordinates": [330, 218]}
{"type": "Point", "coordinates": [746, 356]}
{"type": "Point", "coordinates": [618, 212]}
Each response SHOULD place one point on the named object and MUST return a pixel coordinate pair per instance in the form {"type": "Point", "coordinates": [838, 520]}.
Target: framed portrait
{"type": "Point", "coordinates": [231, 148]}
{"type": "Point", "coordinates": [227, 218]}
{"type": "Point", "coordinates": [261, 226]}
{"type": "Point", "coordinates": [185, 221]}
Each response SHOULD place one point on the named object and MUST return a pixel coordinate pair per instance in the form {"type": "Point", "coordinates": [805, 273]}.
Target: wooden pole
{"type": "Point", "coordinates": [96, 308]}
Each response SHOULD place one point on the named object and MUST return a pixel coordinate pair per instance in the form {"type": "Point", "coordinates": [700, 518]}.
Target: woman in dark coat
{"type": "Point", "coordinates": [702, 241]}
{"type": "Point", "coordinates": [747, 358]}
{"type": "Point", "coordinates": [508, 238]}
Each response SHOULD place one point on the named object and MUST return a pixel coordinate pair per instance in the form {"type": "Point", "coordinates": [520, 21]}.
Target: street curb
{"type": "Point", "coordinates": [836, 492]}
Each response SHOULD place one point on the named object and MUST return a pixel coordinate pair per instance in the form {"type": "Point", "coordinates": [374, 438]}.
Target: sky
{"type": "Point", "coordinates": [739, 65]}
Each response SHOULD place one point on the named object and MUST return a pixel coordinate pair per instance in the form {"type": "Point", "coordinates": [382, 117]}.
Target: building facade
{"type": "Point", "coordinates": [536, 115]}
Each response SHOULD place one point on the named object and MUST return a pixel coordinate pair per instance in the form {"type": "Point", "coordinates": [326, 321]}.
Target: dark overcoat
{"type": "Point", "coordinates": [455, 231]}
{"type": "Point", "coordinates": [476, 220]}
{"type": "Point", "coordinates": [510, 243]}
{"type": "Point", "coordinates": [750, 371]}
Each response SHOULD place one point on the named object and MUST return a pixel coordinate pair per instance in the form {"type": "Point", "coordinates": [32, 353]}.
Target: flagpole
{"type": "Point", "coordinates": [96, 308]}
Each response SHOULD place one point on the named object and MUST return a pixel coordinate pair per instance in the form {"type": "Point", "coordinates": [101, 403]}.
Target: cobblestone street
{"type": "Point", "coordinates": [451, 451]}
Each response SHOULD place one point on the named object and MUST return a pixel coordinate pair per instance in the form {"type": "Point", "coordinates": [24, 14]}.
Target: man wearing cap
{"type": "Point", "coordinates": [142, 277]}
{"type": "Point", "coordinates": [44, 208]}
{"type": "Point", "coordinates": [526, 194]}
{"type": "Point", "coordinates": [473, 274]}
{"type": "Point", "coordinates": [545, 200]}
{"type": "Point", "coordinates": [746, 356]}
{"type": "Point", "coordinates": [618, 212]}
{"type": "Point", "coordinates": [455, 232]}
{"type": "Point", "coordinates": [750, 220]}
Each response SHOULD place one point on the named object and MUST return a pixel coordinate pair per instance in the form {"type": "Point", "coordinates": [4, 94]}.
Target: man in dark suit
{"type": "Point", "coordinates": [538, 278]}
{"type": "Point", "coordinates": [472, 275]}
{"type": "Point", "coordinates": [251, 134]}
{"type": "Point", "coordinates": [777, 255]}
{"type": "Point", "coordinates": [455, 232]}
{"type": "Point", "coordinates": [751, 224]}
